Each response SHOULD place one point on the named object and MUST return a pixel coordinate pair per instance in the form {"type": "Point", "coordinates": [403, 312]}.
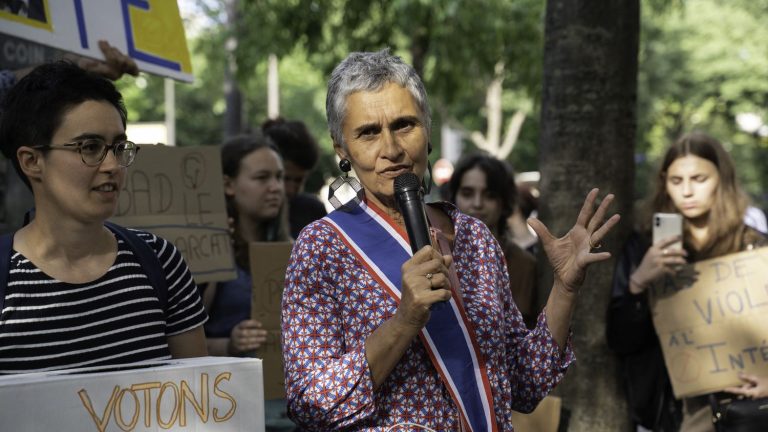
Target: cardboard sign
{"type": "Point", "coordinates": [178, 194]}
{"type": "Point", "coordinates": [149, 31]}
{"type": "Point", "coordinates": [712, 322]}
{"type": "Point", "coordinates": [268, 264]}
{"type": "Point", "coordinates": [200, 394]}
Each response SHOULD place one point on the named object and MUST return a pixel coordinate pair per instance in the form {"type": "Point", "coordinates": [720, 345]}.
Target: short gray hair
{"type": "Point", "coordinates": [370, 71]}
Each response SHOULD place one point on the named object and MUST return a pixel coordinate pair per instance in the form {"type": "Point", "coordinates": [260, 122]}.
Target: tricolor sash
{"type": "Point", "coordinates": [382, 247]}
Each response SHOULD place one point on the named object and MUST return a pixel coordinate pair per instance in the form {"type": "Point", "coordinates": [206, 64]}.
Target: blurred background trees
{"type": "Point", "coordinates": [703, 64]}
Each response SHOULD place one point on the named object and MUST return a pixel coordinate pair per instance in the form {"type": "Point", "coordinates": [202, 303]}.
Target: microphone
{"type": "Point", "coordinates": [409, 197]}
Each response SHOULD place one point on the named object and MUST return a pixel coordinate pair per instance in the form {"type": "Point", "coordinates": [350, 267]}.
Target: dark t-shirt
{"type": "Point", "coordinates": [304, 209]}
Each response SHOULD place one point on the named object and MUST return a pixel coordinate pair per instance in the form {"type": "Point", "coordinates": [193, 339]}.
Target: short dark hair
{"type": "Point", "coordinates": [370, 71]}
{"type": "Point", "coordinates": [499, 179]}
{"type": "Point", "coordinates": [33, 108]}
{"type": "Point", "coordinates": [293, 139]}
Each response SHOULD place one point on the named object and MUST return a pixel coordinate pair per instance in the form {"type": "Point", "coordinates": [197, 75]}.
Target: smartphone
{"type": "Point", "coordinates": [666, 225]}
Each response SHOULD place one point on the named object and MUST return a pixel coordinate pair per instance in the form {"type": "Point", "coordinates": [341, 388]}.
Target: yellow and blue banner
{"type": "Point", "coordinates": [150, 31]}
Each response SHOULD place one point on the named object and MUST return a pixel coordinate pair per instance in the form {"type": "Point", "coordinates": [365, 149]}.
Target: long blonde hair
{"type": "Point", "coordinates": [725, 223]}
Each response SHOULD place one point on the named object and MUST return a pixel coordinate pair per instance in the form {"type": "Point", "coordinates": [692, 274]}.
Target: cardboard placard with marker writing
{"type": "Point", "coordinates": [712, 322]}
{"type": "Point", "coordinates": [268, 263]}
{"type": "Point", "coordinates": [196, 394]}
{"type": "Point", "coordinates": [178, 193]}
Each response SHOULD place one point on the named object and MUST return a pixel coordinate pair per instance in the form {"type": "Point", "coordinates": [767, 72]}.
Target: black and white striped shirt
{"type": "Point", "coordinates": [47, 324]}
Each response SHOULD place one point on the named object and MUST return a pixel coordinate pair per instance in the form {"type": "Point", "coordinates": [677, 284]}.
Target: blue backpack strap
{"type": "Point", "coordinates": [148, 259]}
{"type": "Point", "coordinates": [6, 244]}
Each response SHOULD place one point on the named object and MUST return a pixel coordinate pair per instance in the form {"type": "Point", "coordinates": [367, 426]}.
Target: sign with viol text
{"type": "Point", "coordinates": [178, 193]}
{"type": "Point", "coordinates": [712, 322]}
{"type": "Point", "coordinates": [149, 31]}
{"type": "Point", "coordinates": [197, 394]}
{"type": "Point", "coordinates": [268, 263]}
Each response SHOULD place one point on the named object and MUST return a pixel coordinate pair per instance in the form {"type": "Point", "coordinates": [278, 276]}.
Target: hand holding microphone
{"type": "Point", "coordinates": [425, 275]}
{"type": "Point", "coordinates": [410, 200]}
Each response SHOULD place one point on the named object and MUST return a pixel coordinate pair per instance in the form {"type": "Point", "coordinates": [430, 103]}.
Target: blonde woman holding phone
{"type": "Point", "coordinates": [696, 180]}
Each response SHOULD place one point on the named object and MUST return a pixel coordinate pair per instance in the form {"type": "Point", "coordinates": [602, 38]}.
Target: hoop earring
{"type": "Point", "coordinates": [345, 182]}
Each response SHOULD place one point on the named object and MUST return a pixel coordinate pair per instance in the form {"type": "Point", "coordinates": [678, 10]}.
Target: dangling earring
{"type": "Point", "coordinates": [426, 181]}
{"type": "Point", "coordinates": [345, 166]}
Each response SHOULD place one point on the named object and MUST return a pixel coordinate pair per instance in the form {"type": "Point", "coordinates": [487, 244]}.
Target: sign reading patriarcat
{"type": "Point", "coordinates": [178, 194]}
{"type": "Point", "coordinates": [712, 322]}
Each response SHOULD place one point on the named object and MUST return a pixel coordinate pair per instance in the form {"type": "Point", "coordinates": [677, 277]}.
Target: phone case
{"type": "Point", "coordinates": [666, 225]}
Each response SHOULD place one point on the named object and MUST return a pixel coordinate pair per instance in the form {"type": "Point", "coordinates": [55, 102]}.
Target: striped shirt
{"type": "Point", "coordinates": [47, 324]}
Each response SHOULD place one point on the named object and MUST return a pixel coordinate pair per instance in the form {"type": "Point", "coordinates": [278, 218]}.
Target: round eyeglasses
{"type": "Point", "coordinates": [93, 151]}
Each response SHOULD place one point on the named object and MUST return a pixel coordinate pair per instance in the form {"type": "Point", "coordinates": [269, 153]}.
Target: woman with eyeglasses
{"type": "Point", "coordinates": [79, 293]}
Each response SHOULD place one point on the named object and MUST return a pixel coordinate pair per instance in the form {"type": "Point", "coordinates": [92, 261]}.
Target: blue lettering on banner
{"type": "Point", "coordinates": [132, 51]}
{"type": "Point", "coordinates": [81, 23]}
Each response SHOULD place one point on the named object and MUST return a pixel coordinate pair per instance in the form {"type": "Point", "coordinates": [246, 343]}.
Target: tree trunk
{"type": "Point", "coordinates": [587, 140]}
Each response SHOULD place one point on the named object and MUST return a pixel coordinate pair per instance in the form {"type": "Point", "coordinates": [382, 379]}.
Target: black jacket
{"type": "Point", "coordinates": [631, 335]}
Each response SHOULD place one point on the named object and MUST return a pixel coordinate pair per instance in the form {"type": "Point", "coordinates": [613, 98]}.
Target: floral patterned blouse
{"type": "Point", "coordinates": [331, 305]}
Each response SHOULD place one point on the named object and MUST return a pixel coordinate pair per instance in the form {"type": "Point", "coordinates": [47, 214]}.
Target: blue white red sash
{"type": "Point", "coordinates": [382, 248]}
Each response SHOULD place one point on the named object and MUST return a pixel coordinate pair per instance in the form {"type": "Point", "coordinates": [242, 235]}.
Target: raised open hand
{"type": "Point", "coordinates": [571, 254]}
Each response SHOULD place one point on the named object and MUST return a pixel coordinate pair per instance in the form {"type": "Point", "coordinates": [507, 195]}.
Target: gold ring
{"type": "Point", "coordinates": [595, 246]}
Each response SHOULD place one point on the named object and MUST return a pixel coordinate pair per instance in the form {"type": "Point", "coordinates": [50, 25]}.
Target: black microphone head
{"type": "Point", "coordinates": [407, 181]}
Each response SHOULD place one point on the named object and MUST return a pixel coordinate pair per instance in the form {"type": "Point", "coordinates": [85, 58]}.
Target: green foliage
{"type": "Point", "coordinates": [701, 64]}
{"type": "Point", "coordinates": [199, 106]}
{"type": "Point", "coordinates": [453, 44]}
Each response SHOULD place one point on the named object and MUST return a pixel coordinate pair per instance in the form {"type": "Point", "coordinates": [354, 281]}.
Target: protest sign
{"type": "Point", "coordinates": [149, 31]}
{"type": "Point", "coordinates": [199, 394]}
{"type": "Point", "coordinates": [178, 194]}
{"type": "Point", "coordinates": [268, 264]}
{"type": "Point", "coordinates": [712, 322]}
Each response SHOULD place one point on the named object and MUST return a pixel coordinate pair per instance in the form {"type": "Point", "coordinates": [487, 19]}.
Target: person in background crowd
{"type": "Point", "coordinates": [300, 153]}
{"type": "Point", "coordinates": [484, 187]}
{"type": "Point", "coordinates": [76, 293]}
{"type": "Point", "coordinates": [697, 179]}
{"type": "Point", "coordinates": [355, 299]}
{"type": "Point", "coordinates": [253, 184]}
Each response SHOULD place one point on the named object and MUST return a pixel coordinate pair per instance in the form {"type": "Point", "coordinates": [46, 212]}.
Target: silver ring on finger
{"type": "Point", "coordinates": [664, 252]}
{"type": "Point", "coordinates": [597, 245]}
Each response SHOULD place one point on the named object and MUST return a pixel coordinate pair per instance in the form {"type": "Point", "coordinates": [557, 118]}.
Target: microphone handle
{"type": "Point", "coordinates": [415, 219]}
